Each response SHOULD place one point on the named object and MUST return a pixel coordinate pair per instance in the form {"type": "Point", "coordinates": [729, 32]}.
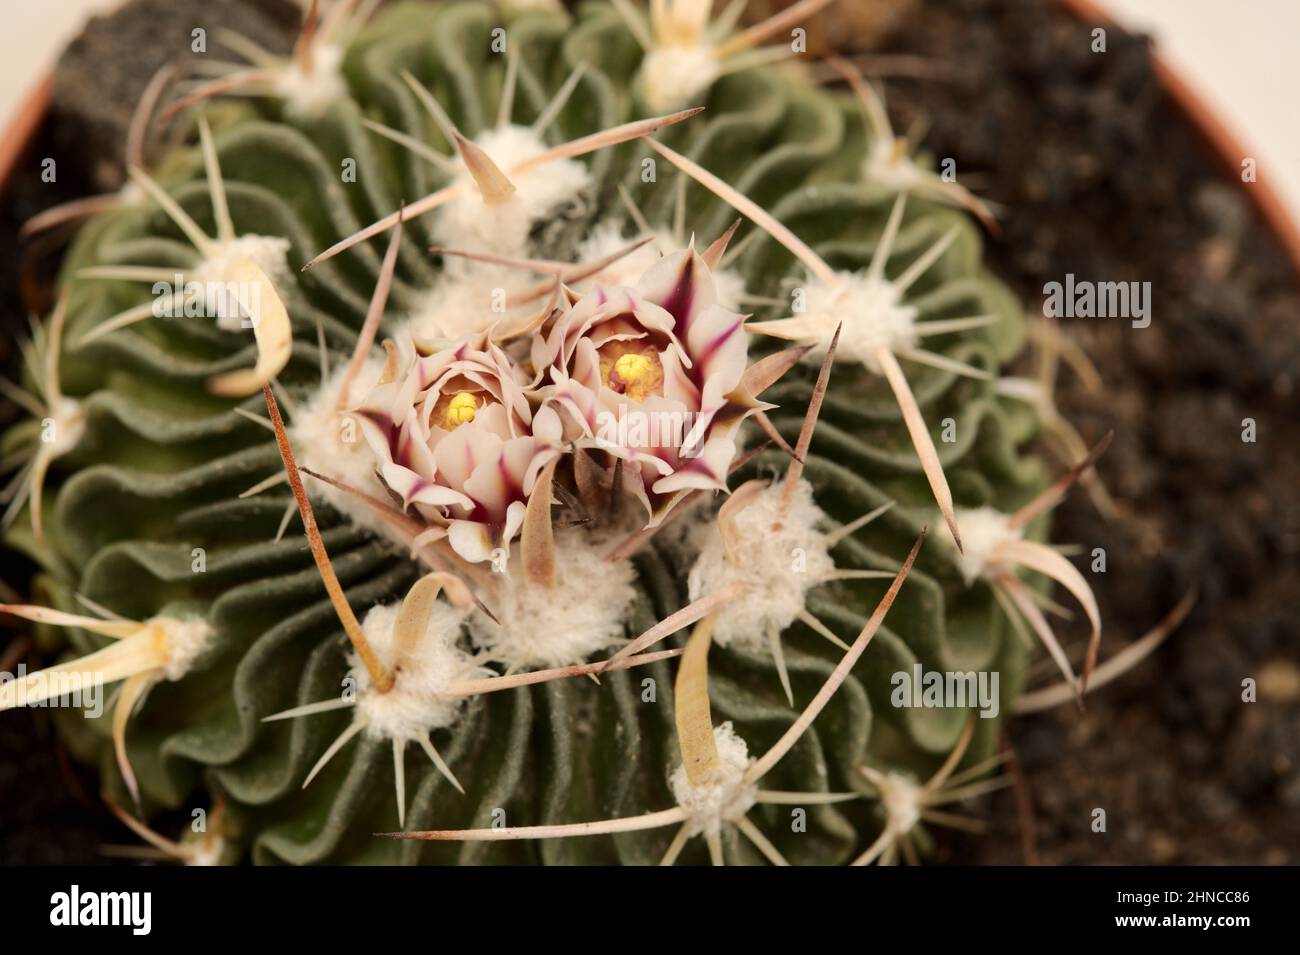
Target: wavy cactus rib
{"type": "Point", "coordinates": [171, 502]}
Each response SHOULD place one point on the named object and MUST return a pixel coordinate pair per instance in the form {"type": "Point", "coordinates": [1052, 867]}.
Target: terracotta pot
{"type": "Point", "coordinates": [22, 128]}
{"type": "Point", "coordinates": [1217, 134]}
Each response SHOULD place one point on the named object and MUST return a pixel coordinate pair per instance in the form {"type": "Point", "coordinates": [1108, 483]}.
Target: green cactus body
{"type": "Point", "coordinates": [158, 473]}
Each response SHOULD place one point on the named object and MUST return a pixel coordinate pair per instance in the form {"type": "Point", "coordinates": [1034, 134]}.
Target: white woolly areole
{"type": "Point", "coordinates": [318, 435]}
{"type": "Point", "coordinates": [724, 798]}
{"type": "Point", "coordinates": [779, 566]}
{"type": "Point", "coordinates": [884, 165]}
{"type": "Point", "coordinates": [607, 237]}
{"type": "Point", "coordinates": [203, 852]}
{"type": "Point", "coordinates": [582, 614]}
{"type": "Point", "coordinates": [873, 314]}
{"type": "Point", "coordinates": [268, 253]}
{"type": "Point", "coordinates": [133, 194]}
{"type": "Point", "coordinates": [729, 287]}
{"type": "Point", "coordinates": [183, 641]}
{"type": "Point", "coordinates": [469, 224]}
{"type": "Point", "coordinates": [309, 94]}
{"type": "Point", "coordinates": [67, 426]}
{"type": "Point", "coordinates": [465, 302]}
{"type": "Point", "coordinates": [901, 796]}
{"type": "Point", "coordinates": [983, 530]}
{"type": "Point", "coordinates": [674, 76]}
{"type": "Point", "coordinates": [416, 704]}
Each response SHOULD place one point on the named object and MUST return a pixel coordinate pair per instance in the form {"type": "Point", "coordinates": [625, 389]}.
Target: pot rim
{"type": "Point", "coordinates": [22, 127]}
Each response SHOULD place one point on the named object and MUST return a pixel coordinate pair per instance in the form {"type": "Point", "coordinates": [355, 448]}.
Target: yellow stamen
{"type": "Point", "coordinates": [455, 408]}
{"type": "Point", "coordinates": [462, 407]}
{"type": "Point", "coordinates": [632, 367]}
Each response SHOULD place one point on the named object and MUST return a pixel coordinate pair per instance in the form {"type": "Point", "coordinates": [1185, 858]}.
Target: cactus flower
{"type": "Point", "coordinates": [454, 438]}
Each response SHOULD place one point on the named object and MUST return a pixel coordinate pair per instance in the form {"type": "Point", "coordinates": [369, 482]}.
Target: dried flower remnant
{"type": "Point", "coordinates": [408, 669]}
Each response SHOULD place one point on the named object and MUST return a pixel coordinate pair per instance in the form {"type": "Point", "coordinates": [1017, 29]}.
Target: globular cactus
{"type": "Point", "coordinates": [531, 253]}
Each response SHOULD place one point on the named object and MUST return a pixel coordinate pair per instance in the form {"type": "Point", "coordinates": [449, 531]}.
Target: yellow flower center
{"type": "Point", "coordinates": [454, 409]}
{"type": "Point", "coordinates": [461, 408]}
{"type": "Point", "coordinates": [632, 369]}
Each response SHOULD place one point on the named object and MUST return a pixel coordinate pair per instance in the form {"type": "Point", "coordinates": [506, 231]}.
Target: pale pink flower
{"type": "Point", "coordinates": [457, 441]}
{"type": "Point", "coordinates": [653, 375]}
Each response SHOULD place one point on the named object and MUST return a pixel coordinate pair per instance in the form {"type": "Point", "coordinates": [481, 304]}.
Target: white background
{"type": "Point", "coordinates": [1242, 55]}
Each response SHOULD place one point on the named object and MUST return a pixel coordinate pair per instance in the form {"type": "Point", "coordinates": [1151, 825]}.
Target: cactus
{"type": "Point", "coordinates": [510, 581]}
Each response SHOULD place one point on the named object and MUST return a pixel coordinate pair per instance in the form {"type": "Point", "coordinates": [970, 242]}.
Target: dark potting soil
{"type": "Point", "coordinates": [1095, 173]}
